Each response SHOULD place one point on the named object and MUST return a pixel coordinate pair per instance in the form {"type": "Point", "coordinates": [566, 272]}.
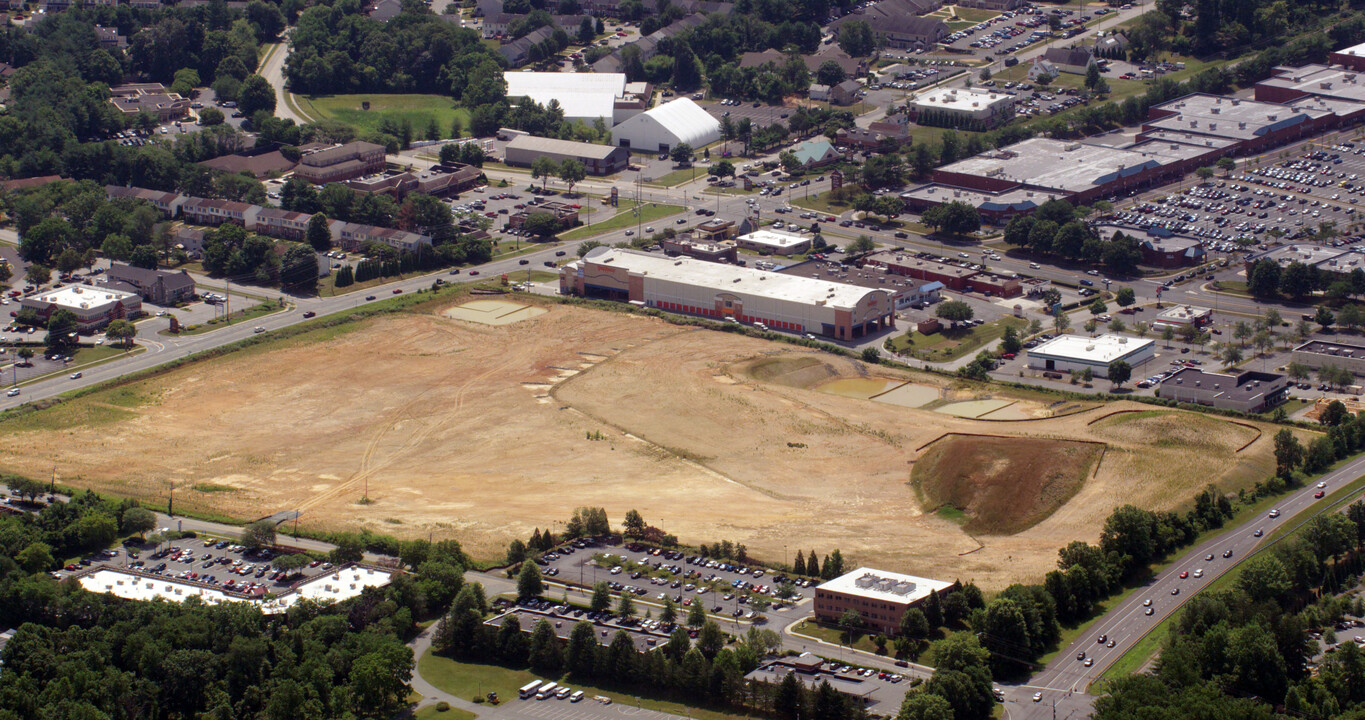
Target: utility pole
{"type": "Point", "coordinates": [227, 300]}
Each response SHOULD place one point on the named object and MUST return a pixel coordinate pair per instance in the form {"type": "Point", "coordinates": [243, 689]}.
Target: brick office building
{"type": "Point", "coordinates": [878, 596]}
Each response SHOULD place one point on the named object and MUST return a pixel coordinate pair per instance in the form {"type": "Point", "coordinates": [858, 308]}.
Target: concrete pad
{"type": "Point", "coordinates": [973, 408]}
{"type": "Point", "coordinates": [493, 312]}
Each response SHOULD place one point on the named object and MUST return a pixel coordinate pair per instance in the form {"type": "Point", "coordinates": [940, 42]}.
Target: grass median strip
{"type": "Point", "coordinates": [624, 219]}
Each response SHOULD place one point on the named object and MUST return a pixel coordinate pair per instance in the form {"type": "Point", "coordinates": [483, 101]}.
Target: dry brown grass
{"type": "Point", "coordinates": [481, 433]}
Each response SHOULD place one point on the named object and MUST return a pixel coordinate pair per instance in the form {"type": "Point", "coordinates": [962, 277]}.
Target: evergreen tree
{"type": "Point", "coordinates": [601, 597]}
{"type": "Point", "coordinates": [529, 583]}
{"type": "Point", "coordinates": [544, 648]}
{"type": "Point", "coordinates": [799, 565]}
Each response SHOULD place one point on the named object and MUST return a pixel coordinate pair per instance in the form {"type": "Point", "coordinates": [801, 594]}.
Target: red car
{"type": "Point", "coordinates": [397, 290]}
{"type": "Point", "coordinates": [1319, 494]}
{"type": "Point", "coordinates": [1184, 574]}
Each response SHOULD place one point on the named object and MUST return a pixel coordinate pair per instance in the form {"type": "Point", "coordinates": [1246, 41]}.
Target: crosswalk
{"type": "Point", "coordinates": [587, 709]}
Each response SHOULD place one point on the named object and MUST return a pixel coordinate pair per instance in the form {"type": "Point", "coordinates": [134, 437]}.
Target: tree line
{"type": "Point", "coordinates": [1057, 228]}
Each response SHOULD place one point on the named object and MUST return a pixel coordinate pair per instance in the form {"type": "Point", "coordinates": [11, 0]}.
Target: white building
{"type": "Point", "coordinates": [788, 303]}
{"type": "Point", "coordinates": [1178, 315]}
{"type": "Point", "coordinates": [341, 584]}
{"type": "Point", "coordinates": [1074, 353]}
{"type": "Point", "coordinates": [94, 307]}
{"type": "Point", "coordinates": [880, 597]}
{"type": "Point", "coordinates": [945, 105]}
{"type": "Point", "coordinates": [584, 97]}
{"type": "Point", "coordinates": [667, 126]}
{"type": "Point", "coordinates": [771, 241]}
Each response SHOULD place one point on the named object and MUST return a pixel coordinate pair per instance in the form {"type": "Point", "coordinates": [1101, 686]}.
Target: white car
{"type": "Point", "coordinates": [13, 392]}
{"type": "Point", "coordinates": [1322, 485]}
{"type": "Point", "coordinates": [1037, 697]}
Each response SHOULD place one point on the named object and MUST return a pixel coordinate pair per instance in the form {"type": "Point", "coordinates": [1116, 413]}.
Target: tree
{"type": "Point", "coordinates": [696, 616]}
{"type": "Point", "coordinates": [292, 561]}
{"type": "Point", "coordinates": [1119, 372]}
{"type": "Point", "coordinates": [1264, 281]}
{"type": "Point", "coordinates": [722, 169]}
{"type": "Point", "coordinates": [38, 274]}
{"type": "Point", "coordinates": [1288, 453]}
{"type": "Point", "coordinates": [1125, 297]}
{"type": "Point", "coordinates": [256, 95]}
{"type": "Point", "coordinates": [710, 640]}
{"type": "Point", "coordinates": [137, 521]}
{"type": "Point", "coordinates": [36, 557]}
{"type": "Point", "coordinates": [863, 244]}
{"type": "Point", "coordinates": [61, 330]}
{"type": "Point", "coordinates": [259, 534]}
{"type": "Point", "coordinates": [601, 597]}
{"type": "Point", "coordinates": [681, 154]}
{"type": "Point", "coordinates": [544, 168]}
{"type": "Point", "coordinates": [541, 224]}
{"type": "Point", "coordinates": [914, 624]}
{"type": "Point", "coordinates": [544, 648]}
{"type": "Point", "coordinates": [1204, 173]}
{"type": "Point", "coordinates": [925, 706]}
{"type": "Point", "coordinates": [625, 606]}
{"type": "Point", "coordinates": [849, 624]}
{"type": "Point", "coordinates": [954, 311]}
{"type": "Point", "coordinates": [572, 172]}
{"type": "Point", "coordinates": [1231, 356]}
{"type": "Point", "coordinates": [669, 614]}
{"type": "Point", "coordinates": [1009, 342]}
{"type": "Point", "coordinates": [857, 39]}
{"type": "Point", "coordinates": [1226, 164]}
{"type": "Point", "coordinates": [529, 583]}
{"type": "Point", "coordinates": [956, 218]}
{"type": "Point", "coordinates": [122, 332]}
{"type": "Point", "coordinates": [319, 235]}
{"type": "Point", "coordinates": [1324, 318]}
{"type": "Point", "coordinates": [1098, 307]}
{"type": "Point", "coordinates": [830, 73]}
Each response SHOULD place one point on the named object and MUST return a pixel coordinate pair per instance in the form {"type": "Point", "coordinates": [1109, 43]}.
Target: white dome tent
{"type": "Point", "coordinates": [667, 126]}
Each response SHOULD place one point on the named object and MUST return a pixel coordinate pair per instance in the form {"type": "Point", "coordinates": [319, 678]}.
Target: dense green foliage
{"type": "Point", "coordinates": [77, 654]}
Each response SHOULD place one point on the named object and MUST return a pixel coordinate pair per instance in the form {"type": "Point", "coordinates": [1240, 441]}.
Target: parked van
{"type": "Point", "coordinates": [563, 693]}
{"type": "Point", "coordinates": [576, 696]}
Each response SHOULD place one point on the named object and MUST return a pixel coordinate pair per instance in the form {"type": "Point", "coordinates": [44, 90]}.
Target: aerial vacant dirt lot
{"type": "Point", "coordinates": [483, 433]}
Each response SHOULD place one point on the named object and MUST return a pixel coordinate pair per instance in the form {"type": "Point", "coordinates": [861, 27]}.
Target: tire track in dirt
{"type": "Point", "coordinates": [367, 467]}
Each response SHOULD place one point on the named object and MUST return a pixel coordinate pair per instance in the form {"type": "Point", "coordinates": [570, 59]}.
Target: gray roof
{"type": "Point", "coordinates": [144, 278]}
{"type": "Point", "coordinates": [561, 147]}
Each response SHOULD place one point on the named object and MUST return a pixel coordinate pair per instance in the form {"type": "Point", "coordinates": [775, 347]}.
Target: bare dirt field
{"type": "Point", "coordinates": [482, 433]}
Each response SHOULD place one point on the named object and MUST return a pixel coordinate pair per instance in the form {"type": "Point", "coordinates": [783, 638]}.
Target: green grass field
{"type": "Point", "coordinates": [946, 345]}
{"type": "Point", "coordinates": [468, 680]}
{"type": "Point", "coordinates": [238, 317]}
{"type": "Point", "coordinates": [623, 219]}
{"type": "Point", "coordinates": [678, 177]}
{"type": "Point", "coordinates": [431, 713]}
{"type": "Point", "coordinates": [420, 110]}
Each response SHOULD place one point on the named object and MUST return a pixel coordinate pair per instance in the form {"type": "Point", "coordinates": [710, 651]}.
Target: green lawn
{"type": "Point", "coordinates": [861, 641]}
{"type": "Point", "coordinates": [240, 316]}
{"type": "Point", "coordinates": [417, 109]}
{"type": "Point", "coordinates": [678, 177]}
{"type": "Point", "coordinates": [468, 680]}
{"type": "Point", "coordinates": [624, 218]}
{"type": "Point", "coordinates": [431, 713]}
{"type": "Point", "coordinates": [946, 345]}
{"type": "Point", "coordinates": [84, 356]}
{"type": "Point", "coordinates": [973, 15]}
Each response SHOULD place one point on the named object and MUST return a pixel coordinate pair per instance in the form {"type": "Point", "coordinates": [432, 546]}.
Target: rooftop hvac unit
{"type": "Point", "coordinates": [1215, 111]}
{"type": "Point", "coordinates": [1090, 347]}
{"type": "Point", "coordinates": [866, 581]}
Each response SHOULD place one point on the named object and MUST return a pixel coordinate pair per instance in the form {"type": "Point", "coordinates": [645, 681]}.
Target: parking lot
{"type": "Point", "coordinates": [724, 588]}
{"type": "Point", "coordinates": [645, 634]}
{"type": "Point", "coordinates": [877, 688]}
{"type": "Point", "coordinates": [214, 563]}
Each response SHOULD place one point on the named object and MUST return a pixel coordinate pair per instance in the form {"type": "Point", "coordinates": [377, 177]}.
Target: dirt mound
{"type": "Point", "coordinates": [1176, 430]}
{"type": "Point", "coordinates": [792, 371]}
{"type": "Point", "coordinates": [1003, 485]}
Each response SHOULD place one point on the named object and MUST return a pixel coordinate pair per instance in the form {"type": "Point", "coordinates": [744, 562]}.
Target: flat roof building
{"type": "Point", "coordinates": [340, 163]}
{"type": "Point", "coordinates": [772, 241]}
{"type": "Point", "coordinates": [94, 307]}
{"type": "Point", "coordinates": [1318, 354]}
{"type": "Point", "coordinates": [1250, 392]}
{"type": "Point", "coordinates": [341, 584]}
{"type": "Point", "coordinates": [523, 150]}
{"type": "Point", "coordinates": [881, 597]}
{"type": "Point", "coordinates": [584, 97]}
{"type": "Point", "coordinates": [1074, 353]}
{"type": "Point", "coordinates": [1352, 57]}
{"type": "Point", "coordinates": [962, 107]}
{"type": "Point", "coordinates": [781, 302]}
{"type": "Point", "coordinates": [1177, 315]}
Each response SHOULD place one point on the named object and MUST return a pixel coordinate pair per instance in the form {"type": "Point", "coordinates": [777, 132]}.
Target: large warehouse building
{"type": "Point", "coordinates": [584, 97]}
{"type": "Point", "coordinates": [598, 159]}
{"type": "Point", "coordinates": [781, 302]}
{"type": "Point", "coordinates": [878, 596]}
{"type": "Point", "coordinates": [667, 126]}
{"type": "Point", "coordinates": [1075, 353]}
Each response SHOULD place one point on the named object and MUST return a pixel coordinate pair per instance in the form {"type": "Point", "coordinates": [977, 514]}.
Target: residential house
{"type": "Point", "coordinates": [518, 52]}
{"type": "Point", "coordinates": [1040, 69]}
{"type": "Point", "coordinates": [207, 211]}
{"type": "Point", "coordinates": [285, 224]}
{"type": "Point", "coordinates": [353, 237]}
{"type": "Point", "coordinates": [845, 93]}
{"type": "Point", "coordinates": [1112, 45]}
{"type": "Point", "coordinates": [109, 39]}
{"type": "Point", "coordinates": [161, 287]}
{"type": "Point", "coordinates": [134, 99]}
{"type": "Point", "coordinates": [168, 203]}
{"type": "Point", "coordinates": [818, 92]}
{"type": "Point", "coordinates": [898, 21]}
{"type": "Point", "coordinates": [1074, 60]}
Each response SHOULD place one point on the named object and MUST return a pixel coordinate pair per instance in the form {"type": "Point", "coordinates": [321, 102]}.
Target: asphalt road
{"type": "Point", "coordinates": [1065, 679]}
